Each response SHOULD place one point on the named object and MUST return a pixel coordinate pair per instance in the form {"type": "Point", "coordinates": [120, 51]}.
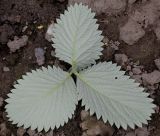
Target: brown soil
{"type": "Point", "coordinates": [14, 15]}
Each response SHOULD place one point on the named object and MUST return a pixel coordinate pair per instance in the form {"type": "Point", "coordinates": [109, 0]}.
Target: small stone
{"type": "Point", "coordinates": [84, 115]}
{"type": "Point", "coordinates": [6, 69]}
{"type": "Point", "coordinates": [49, 33]}
{"type": "Point", "coordinates": [39, 54]}
{"type": "Point", "coordinates": [131, 32]}
{"type": "Point", "coordinates": [1, 101]}
{"type": "Point", "coordinates": [157, 63]}
{"type": "Point", "coordinates": [136, 71]}
{"type": "Point", "coordinates": [121, 59]}
{"type": "Point", "coordinates": [20, 131]}
{"type": "Point", "coordinates": [24, 28]}
{"type": "Point", "coordinates": [151, 78]}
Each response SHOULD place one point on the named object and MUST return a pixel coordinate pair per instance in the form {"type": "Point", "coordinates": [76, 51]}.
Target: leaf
{"type": "Point", "coordinates": [43, 99]}
{"type": "Point", "coordinates": [105, 90]}
{"type": "Point", "coordinates": [76, 38]}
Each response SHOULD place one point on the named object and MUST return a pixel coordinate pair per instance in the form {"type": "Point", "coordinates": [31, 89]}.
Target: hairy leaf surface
{"type": "Point", "coordinates": [76, 38]}
{"type": "Point", "coordinates": [109, 93]}
{"type": "Point", "coordinates": [43, 99]}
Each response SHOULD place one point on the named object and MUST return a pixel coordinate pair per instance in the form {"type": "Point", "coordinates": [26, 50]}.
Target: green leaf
{"type": "Point", "coordinates": [43, 99]}
{"type": "Point", "coordinates": [105, 90]}
{"type": "Point", "coordinates": [76, 38]}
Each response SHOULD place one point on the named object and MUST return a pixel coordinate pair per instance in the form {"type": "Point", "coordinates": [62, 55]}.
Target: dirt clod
{"type": "Point", "coordinates": [17, 43]}
{"type": "Point", "coordinates": [121, 59]}
{"type": "Point", "coordinates": [151, 78]}
{"type": "Point", "coordinates": [136, 71]}
{"type": "Point", "coordinates": [131, 32]}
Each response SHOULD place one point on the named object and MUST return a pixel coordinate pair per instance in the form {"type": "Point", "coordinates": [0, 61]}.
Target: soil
{"type": "Point", "coordinates": [17, 14]}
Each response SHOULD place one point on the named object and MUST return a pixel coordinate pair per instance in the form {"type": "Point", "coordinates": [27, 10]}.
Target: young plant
{"type": "Point", "coordinates": [46, 98]}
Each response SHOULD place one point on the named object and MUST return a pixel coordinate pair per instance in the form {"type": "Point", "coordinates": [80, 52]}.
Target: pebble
{"type": "Point", "coordinates": [49, 33]}
{"type": "Point", "coordinates": [24, 28]}
{"type": "Point", "coordinates": [6, 69]}
{"type": "Point", "coordinates": [39, 54]}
